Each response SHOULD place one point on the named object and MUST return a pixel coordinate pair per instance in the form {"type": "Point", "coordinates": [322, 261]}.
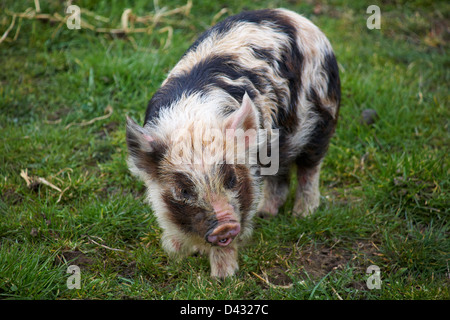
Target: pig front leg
{"type": "Point", "coordinates": [175, 246]}
{"type": "Point", "coordinates": [171, 244]}
{"type": "Point", "coordinates": [224, 261]}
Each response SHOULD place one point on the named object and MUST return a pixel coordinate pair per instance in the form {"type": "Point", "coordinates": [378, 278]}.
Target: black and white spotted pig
{"type": "Point", "coordinates": [267, 70]}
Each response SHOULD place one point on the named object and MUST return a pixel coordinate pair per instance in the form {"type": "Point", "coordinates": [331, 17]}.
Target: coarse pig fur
{"type": "Point", "coordinates": [266, 70]}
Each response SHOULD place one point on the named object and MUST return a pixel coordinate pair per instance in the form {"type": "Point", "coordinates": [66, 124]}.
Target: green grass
{"type": "Point", "coordinates": [384, 187]}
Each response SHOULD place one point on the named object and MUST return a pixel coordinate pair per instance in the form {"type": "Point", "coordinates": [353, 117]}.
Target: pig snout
{"type": "Point", "coordinates": [227, 227]}
{"type": "Point", "coordinates": [224, 233]}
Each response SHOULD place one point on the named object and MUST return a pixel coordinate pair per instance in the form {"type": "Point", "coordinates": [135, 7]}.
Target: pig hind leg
{"type": "Point", "coordinates": [307, 197]}
{"type": "Point", "coordinates": [310, 159]}
{"type": "Point", "coordinates": [309, 162]}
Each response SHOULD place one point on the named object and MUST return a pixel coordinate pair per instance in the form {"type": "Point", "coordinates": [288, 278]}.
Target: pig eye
{"type": "Point", "coordinates": [182, 194]}
{"type": "Point", "coordinates": [183, 188]}
{"type": "Point", "coordinates": [185, 194]}
{"type": "Point", "coordinates": [230, 180]}
{"type": "Point", "coordinates": [228, 175]}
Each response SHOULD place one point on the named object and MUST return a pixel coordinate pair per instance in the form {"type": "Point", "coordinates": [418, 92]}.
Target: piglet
{"type": "Point", "coordinates": [253, 96]}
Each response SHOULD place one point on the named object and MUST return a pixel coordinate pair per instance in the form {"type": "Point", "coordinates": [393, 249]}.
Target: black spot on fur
{"type": "Point", "coordinates": [204, 76]}
{"type": "Point", "coordinates": [317, 145]}
{"type": "Point", "coordinates": [334, 84]}
{"type": "Point", "coordinates": [222, 27]}
{"type": "Point", "coordinates": [290, 64]}
{"type": "Point", "coordinates": [228, 174]}
{"type": "Point", "coordinates": [184, 187]}
{"type": "Point", "coordinates": [189, 217]}
{"type": "Point", "coordinates": [256, 16]}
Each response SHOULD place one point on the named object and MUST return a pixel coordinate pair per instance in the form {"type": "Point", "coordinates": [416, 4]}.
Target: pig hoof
{"type": "Point", "coordinates": [223, 272]}
{"type": "Point", "coordinates": [304, 210]}
{"type": "Point", "coordinates": [270, 206]}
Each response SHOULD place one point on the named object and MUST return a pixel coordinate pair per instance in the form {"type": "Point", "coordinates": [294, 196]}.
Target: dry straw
{"type": "Point", "coordinates": [129, 22]}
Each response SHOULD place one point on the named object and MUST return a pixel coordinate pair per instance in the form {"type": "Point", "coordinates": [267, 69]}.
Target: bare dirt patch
{"type": "Point", "coordinates": [75, 257]}
{"type": "Point", "coordinates": [278, 277]}
{"type": "Point", "coordinates": [11, 197]}
{"type": "Point", "coordinates": [315, 262]}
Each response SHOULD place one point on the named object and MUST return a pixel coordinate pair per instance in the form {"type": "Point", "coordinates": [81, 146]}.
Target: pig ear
{"type": "Point", "coordinates": [245, 118]}
{"type": "Point", "coordinates": [145, 151]}
{"type": "Point", "coordinates": [137, 138]}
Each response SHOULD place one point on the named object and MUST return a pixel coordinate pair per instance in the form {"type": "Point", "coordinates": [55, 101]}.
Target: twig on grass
{"type": "Point", "coordinates": [5, 34]}
{"type": "Point", "coordinates": [169, 31]}
{"type": "Point", "coordinates": [266, 281]}
{"type": "Point", "coordinates": [53, 121]}
{"type": "Point", "coordinates": [33, 182]}
{"type": "Point", "coordinates": [38, 180]}
{"type": "Point", "coordinates": [24, 175]}
{"type": "Point", "coordinates": [61, 194]}
{"type": "Point", "coordinates": [37, 5]}
{"type": "Point", "coordinates": [336, 293]}
{"type": "Point", "coordinates": [94, 15]}
{"type": "Point", "coordinates": [109, 111]}
{"type": "Point", "coordinates": [218, 15]}
{"type": "Point", "coordinates": [17, 30]}
{"type": "Point", "coordinates": [127, 21]}
{"type": "Point", "coordinates": [51, 185]}
{"type": "Point", "coordinates": [103, 246]}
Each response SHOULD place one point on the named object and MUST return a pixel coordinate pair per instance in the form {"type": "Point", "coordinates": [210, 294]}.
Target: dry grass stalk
{"type": "Point", "coordinates": [127, 21]}
{"type": "Point", "coordinates": [36, 180]}
{"type": "Point", "coordinates": [104, 246]}
{"type": "Point", "coordinates": [218, 15]}
{"type": "Point", "coordinates": [266, 281]}
{"type": "Point", "coordinates": [37, 5]}
{"type": "Point", "coordinates": [109, 110]}
{"type": "Point", "coordinates": [9, 29]}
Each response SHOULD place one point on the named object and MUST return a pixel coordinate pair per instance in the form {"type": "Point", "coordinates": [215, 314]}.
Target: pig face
{"type": "Point", "coordinates": [208, 203]}
{"type": "Point", "coordinates": [199, 193]}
